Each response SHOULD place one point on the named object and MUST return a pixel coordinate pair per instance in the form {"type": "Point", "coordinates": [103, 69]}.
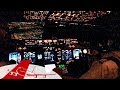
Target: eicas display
{"type": "Point", "coordinates": [49, 56]}
{"type": "Point", "coordinates": [30, 56]}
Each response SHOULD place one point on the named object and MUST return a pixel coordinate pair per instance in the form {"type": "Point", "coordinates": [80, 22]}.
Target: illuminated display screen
{"type": "Point", "coordinates": [49, 56]}
{"type": "Point", "coordinates": [67, 55]}
{"type": "Point", "coordinates": [76, 53]}
{"type": "Point", "coordinates": [39, 56]}
{"type": "Point", "coordinates": [15, 56]}
{"type": "Point", "coordinates": [30, 56]}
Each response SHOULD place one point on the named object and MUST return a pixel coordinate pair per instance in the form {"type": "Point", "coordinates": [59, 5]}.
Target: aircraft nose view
{"type": "Point", "coordinates": [59, 44]}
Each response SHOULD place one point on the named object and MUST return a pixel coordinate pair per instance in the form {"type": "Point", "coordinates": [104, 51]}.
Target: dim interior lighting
{"type": "Point", "coordinates": [24, 48]}
{"type": "Point", "coordinates": [40, 41]}
{"type": "Point", "coordinates": [73, 46]}
{"type": "Point", "coordinates": [109, 12]}
{"type": "Point", "coordinates": [54, 41]}
{"type": "Point", "coordinates": [49, 40]}
{"type": "Point", "coordinates": [104, 50]}
{"type": "Point", "coordinates": [20, 48]}
{"type": "Point", "coordinates": [88, 51]}
{"type": "Point", "coordinates": [45, 41]}
{"type": "Point", "coordinates": [70, 46]}
{"type": "Point", "coordinates": [85, 51]}
{"type": "Point", "coordinates": [56, 22]}
{"type": "Point", "coordinates": [59, 48]}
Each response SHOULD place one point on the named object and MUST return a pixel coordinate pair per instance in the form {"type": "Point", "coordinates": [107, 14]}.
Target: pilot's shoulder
{"type": "Point", "coordinates": [110, 63]}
